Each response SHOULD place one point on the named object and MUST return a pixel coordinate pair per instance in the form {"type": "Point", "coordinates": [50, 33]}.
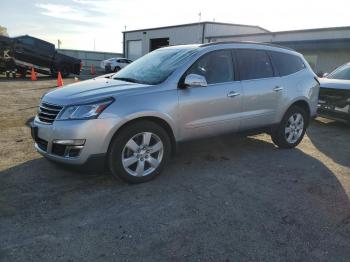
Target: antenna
{"type": "Point", "coordinates": [200, 16]}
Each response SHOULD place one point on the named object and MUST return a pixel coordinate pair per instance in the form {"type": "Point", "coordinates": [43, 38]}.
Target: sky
{"type": "Point", "coordinates": [98, 24]}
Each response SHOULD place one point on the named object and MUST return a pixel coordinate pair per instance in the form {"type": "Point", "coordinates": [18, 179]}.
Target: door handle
{"type": "Point", "coordinates": [233, 94]}
{"type": "Point", "coordinates": [278, 88]}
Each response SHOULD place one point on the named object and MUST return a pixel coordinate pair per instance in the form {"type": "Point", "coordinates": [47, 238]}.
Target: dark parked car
{"type": "Point", "coordinates": [27, 52]}
{"type": "Point", "coordinates": [334, 99]}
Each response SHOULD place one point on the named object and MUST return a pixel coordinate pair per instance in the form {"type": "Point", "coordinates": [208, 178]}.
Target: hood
{"type": "Point", "coordinates": [334, 83]}
{"type": "Point", "coordinates": [89, 90]}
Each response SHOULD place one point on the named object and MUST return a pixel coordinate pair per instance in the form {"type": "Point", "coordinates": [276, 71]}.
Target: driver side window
{"type": "Point", "coordinates": [216, 67]}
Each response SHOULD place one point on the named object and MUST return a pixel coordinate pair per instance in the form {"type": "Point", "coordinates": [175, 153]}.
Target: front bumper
{"type": "Point", "coordinates": [96, 134]}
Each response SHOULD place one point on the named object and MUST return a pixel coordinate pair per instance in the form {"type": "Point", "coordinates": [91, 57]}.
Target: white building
{"type": "Point", "coordinates": [324, 48]}
{"type": "Point", "coordinates": [139, 42]}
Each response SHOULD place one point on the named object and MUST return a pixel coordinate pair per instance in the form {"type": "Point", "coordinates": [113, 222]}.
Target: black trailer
{"type": "Point", "coordinates": [27, 52]}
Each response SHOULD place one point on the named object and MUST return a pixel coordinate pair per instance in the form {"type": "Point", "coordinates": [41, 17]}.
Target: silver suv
{"type": "Point", "coordinates": [135, 118]}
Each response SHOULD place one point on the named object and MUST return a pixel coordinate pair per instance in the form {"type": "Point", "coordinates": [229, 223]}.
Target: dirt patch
{"type": "Point", "coordinates": [221, 199]}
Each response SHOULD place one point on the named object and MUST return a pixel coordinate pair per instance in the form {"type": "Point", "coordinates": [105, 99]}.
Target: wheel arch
{"type": "Point", "coordinates": [155, 119]}
{"type": "Point", "coordinates": [302, 103]}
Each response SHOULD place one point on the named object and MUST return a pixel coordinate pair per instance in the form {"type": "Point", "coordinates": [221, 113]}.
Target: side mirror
{"type": "Point", "coordinates": [325, 75]}
{"type": "Point", "coordinates": [194, 80]}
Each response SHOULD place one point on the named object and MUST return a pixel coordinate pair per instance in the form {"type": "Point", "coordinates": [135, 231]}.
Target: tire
{"type": "Point", "coordinates": [296, 120]}
{"type": "Point", "coordinates": [117, 68]}
{"type": "Point", "coordinates": [64, 72]}
{"type": "Point", "coordinates": [54, 72]}
{"type": "Point", "coordinates": [108, 69]}
{"type": "Point", "coordinates": [142, 165]}
{"type": "Point", "coordinates": [22, 71]}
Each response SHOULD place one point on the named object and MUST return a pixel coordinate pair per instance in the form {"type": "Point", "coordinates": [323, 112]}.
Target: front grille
{"type": "Point", "coordinates": [47, 113]}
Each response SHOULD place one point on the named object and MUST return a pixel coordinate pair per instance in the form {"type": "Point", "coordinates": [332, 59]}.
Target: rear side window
{"type": "Point", "coordinates": [45, 47]}
{"type": "Point", "coordinates": [26, 40]}
{"type": "Point", "coordinates": [216, 67]}
{"type": "Point", "coordinates": [287, 64]}
{"type": "Point", "coordinates": [253, 64]}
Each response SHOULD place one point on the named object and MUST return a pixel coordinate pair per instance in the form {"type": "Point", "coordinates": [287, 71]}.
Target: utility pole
{"type": "Point", "coordinates": [94, 44]}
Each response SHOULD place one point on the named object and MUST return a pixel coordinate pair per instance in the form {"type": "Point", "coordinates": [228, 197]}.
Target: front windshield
{"type": "Point", "coordinates": [156, 66]}
{"type": "Point", "coordinates": [342, 72]}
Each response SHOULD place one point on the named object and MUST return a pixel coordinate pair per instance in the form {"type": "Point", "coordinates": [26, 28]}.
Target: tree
{"type": "Point", "coordinates": [3, 31]}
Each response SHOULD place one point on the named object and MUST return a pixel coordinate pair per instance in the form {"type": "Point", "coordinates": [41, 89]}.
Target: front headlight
{"type": "Point", "coordinates": [84, 111]}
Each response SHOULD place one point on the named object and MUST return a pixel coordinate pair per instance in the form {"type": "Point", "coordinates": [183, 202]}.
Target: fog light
{"type": "Point", "coordinates": [70, 142]}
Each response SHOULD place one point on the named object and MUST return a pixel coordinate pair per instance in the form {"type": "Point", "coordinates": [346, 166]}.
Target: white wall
{"type": "Point", "coordinates": [328, 60]}
{"type": "Point", "coordinates": [222, 29]}
{"type": "Point", "coordinates": [190, 34]}
{"type": "Point", "coordinates": [89, 57]}
{"type": "Point", "coordinates": [177, 36]}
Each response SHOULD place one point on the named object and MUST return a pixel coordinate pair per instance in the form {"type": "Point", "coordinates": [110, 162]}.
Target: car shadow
{"type": "Point", "coordinates": [218, 199]}
{"type": "Point", "coordinates": [338, 147]}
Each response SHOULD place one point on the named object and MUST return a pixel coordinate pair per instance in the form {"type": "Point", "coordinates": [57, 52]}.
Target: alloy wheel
{"type": "Point", "coordinates": [142, 154]}
{"type": "Point", "coordinates": [294, 128]}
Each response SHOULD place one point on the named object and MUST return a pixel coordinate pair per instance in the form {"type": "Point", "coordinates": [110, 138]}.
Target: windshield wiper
{"type": "Point", "coordinates": [127, 79]}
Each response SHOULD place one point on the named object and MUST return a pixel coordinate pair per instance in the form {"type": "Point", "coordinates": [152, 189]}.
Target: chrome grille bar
{"type": "Point", "coordinates": [47, 113]}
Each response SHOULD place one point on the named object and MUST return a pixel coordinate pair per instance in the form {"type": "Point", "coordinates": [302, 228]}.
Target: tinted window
{"type": "Point", "coordinates": [156, 66]}
{"type": "Point", "coordinates": [26, 40]}
{"type": "Point", "coordinates": [254, 64]}
{"type": "Point", "coordinates": [342, 72]}
{"type": "Point", "coordinates": [216, 67]}
{"type": "Point", "coordinates": [44, 46]}
{"type": "Point", "coordinates": [287, 64]}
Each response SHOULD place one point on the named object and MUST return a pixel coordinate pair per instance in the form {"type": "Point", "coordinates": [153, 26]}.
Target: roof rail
{"type": "Point", "coordinates": [246, 42]}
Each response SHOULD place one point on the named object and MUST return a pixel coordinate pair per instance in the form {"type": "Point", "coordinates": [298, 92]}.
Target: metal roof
{"type": "Point", "coordinates": [285, 32]}
{"type": "Point", "coordinates": [199, 23]}
{"type": "Point", "coordinates": [247, 42]}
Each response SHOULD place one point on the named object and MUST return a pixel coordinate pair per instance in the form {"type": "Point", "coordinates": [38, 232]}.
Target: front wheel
{"type": "Point", "coordinates": [139, 152]}
{"type": "Point", "coordinates": [292, 128]}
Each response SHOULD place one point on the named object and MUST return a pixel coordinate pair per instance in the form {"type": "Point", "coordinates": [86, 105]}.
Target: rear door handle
{"type": "Point", "coordinates": [233, 94]}
{"type": "Point", "coordinates": [278, 88]}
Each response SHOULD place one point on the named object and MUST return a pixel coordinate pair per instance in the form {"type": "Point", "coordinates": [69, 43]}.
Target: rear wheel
{"type": "Point", "coordinates": [64, 71]}
{"type": "Point", "coordinates": [108, 69]}
{"type": "Point", "coordinates": [292, 128]}
{"type": "Point", "coordinates": [53, 72]}
{"type": "Point", "coordinates": [117, 68]}
{"type": "Point", "coordinates": [139, 152]}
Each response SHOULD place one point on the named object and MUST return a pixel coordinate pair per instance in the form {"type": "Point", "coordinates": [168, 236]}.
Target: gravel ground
{"type": "Point", "coordinates": [222, 199]}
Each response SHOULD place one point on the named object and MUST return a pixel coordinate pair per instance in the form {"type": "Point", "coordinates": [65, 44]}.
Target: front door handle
{"type": "Point", "coordinates": [278, 88]}
{"type": "Point", "coordinates": [233, 94]}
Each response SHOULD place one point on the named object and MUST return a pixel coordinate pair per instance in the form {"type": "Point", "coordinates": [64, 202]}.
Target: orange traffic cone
{"type": "Point", "coordinates": [92, 70]}
{"type": "Point", "coordinates": [33, 75]}
{"type": "Point", "coordinates": [59, 80]}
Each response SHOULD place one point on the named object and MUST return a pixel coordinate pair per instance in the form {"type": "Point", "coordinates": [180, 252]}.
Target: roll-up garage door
{"type": "Point", "coordinates": [134, 49]}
